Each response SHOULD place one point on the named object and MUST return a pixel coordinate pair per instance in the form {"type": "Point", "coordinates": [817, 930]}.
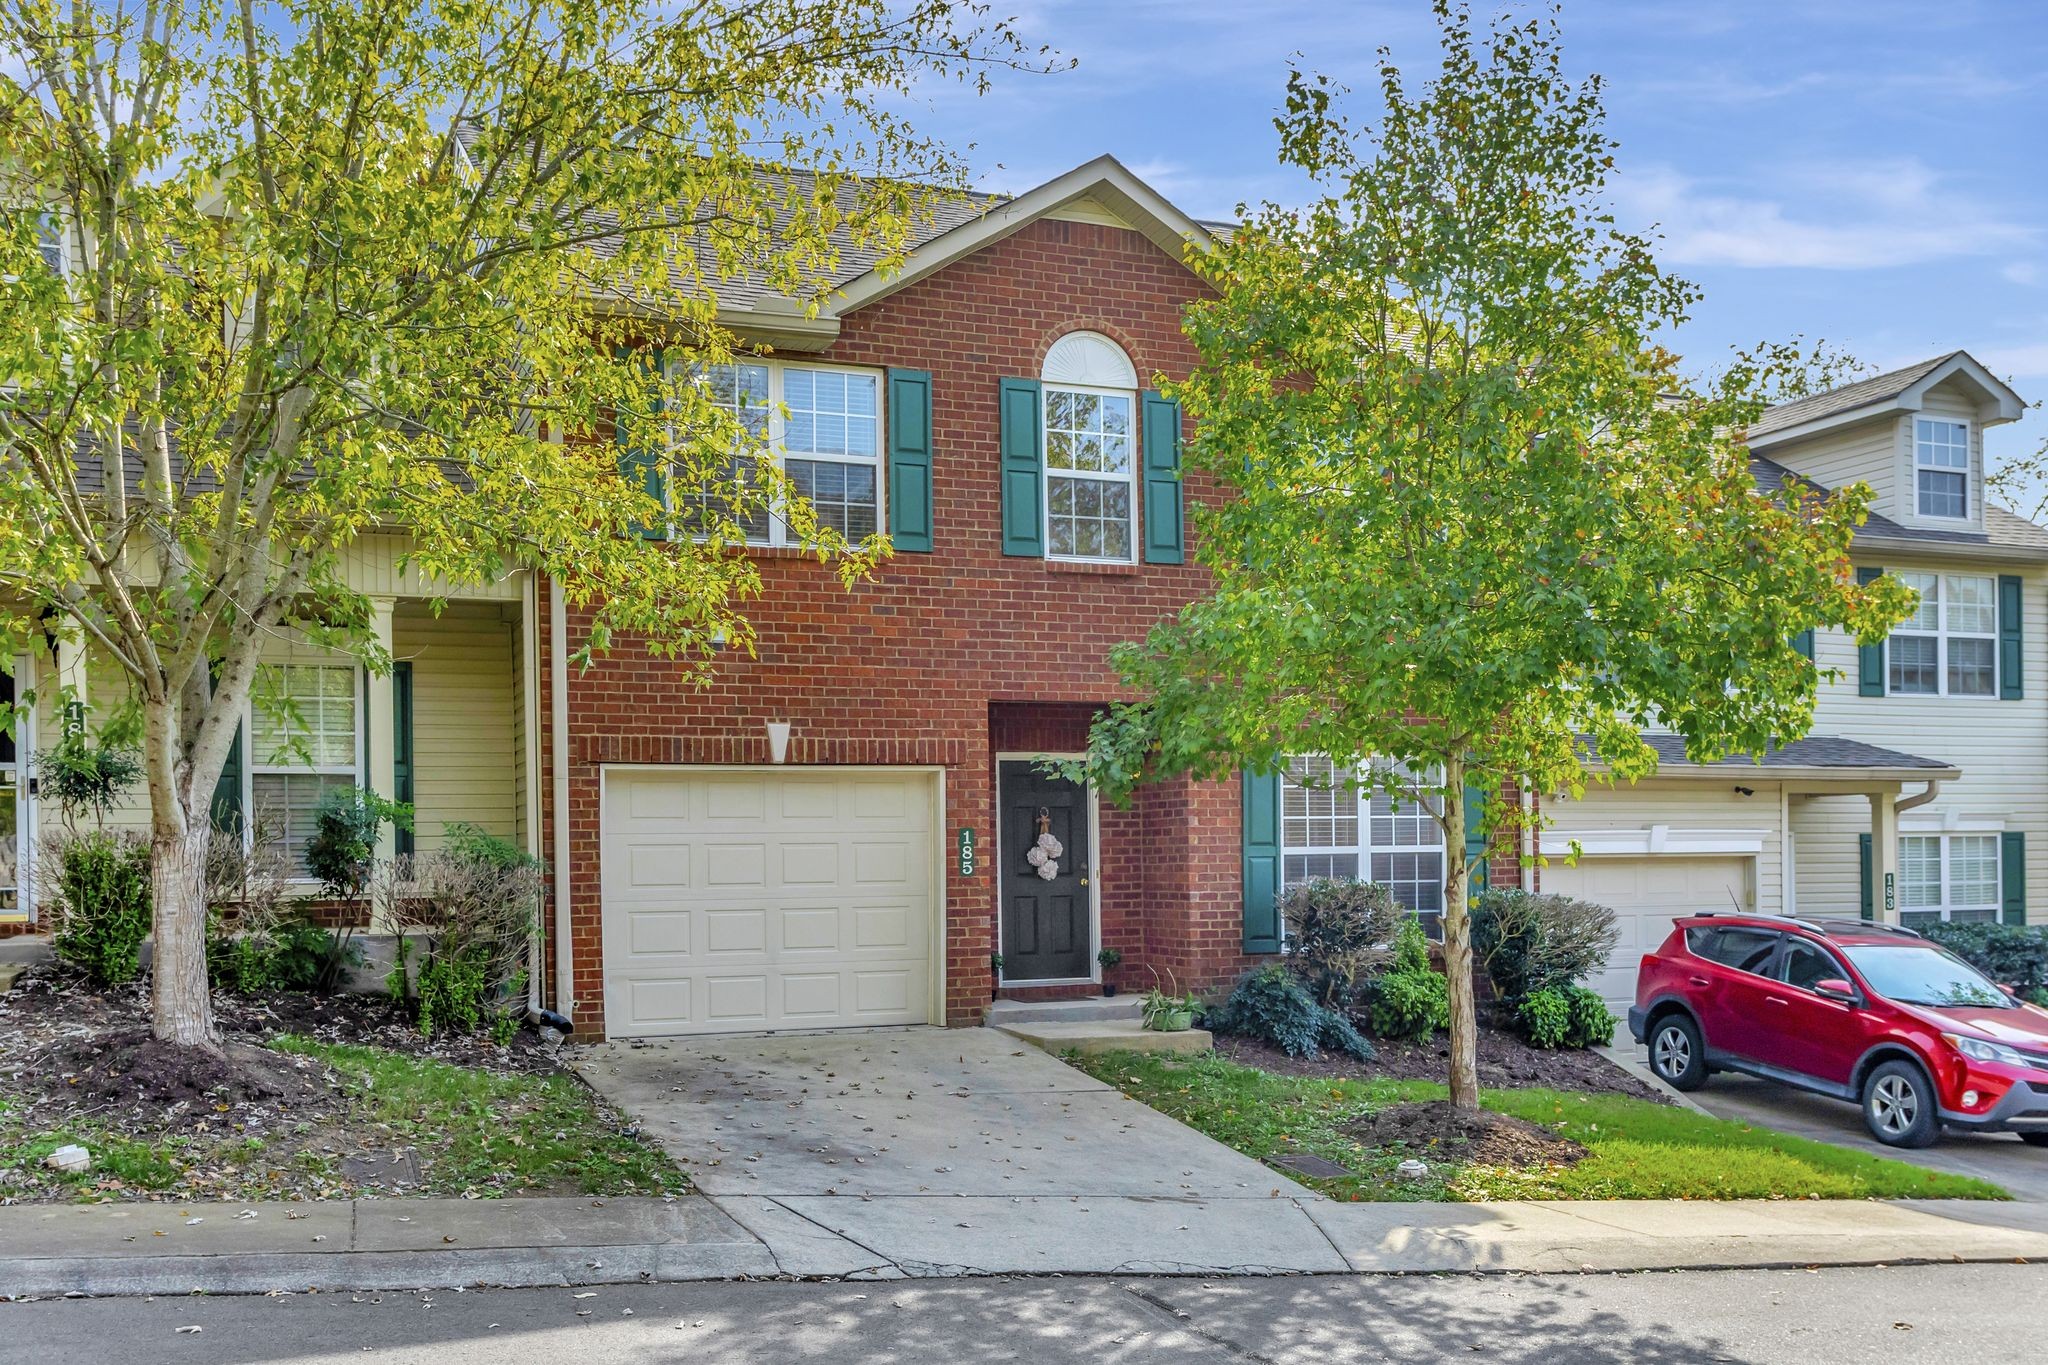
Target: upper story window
{"type": "Point", "coordinates": [1090, 391]}
{"type": "Point", "coordinates": [1941, 468]}
{"type": "Point", "coordinates": [823, 425]}
{"type": "Point", "coordinates": [1330, 827]}
{"type": "Point", "coordinates": [1949, 645]}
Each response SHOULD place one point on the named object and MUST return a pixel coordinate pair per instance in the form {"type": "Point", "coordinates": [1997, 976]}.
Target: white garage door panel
{"type": "Point", "coordinates": [1646, 894]}
{"type": "Point", "coordinates": [739, 901]}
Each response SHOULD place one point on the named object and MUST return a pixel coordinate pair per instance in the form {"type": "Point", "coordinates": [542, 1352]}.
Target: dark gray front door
{"type": "Point", "coordinates": [1046, 921]}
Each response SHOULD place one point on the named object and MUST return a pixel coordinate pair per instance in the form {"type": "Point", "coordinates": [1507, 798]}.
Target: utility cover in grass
{"type": "Point", "coordinates": [1436, 1130]}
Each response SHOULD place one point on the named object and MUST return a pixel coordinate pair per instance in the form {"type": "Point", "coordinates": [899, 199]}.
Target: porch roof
{"type": "Point", "coordinates": [1815, 756]}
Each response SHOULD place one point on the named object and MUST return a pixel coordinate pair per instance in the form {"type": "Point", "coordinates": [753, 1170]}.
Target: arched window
{"type": "Point", "coordinates": [1091, 400]}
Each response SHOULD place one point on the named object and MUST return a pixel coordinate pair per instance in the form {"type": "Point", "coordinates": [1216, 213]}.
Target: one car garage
{"type": "Point", "coordinates": [741, 900]}
{"type": "Point", "coordinates": [1646, 894]}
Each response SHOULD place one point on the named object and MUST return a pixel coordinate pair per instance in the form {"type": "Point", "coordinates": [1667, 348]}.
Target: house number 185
{"type": "Point", "coordinates": [966, 851]}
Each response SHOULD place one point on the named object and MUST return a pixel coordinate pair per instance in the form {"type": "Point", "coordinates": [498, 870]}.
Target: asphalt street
{"type": "Point", "coordinates": [1980, 1313]}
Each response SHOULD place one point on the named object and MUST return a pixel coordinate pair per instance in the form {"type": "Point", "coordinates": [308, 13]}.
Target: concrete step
{"type": "Point", "coordinates": [1002, 1012]}
{"type": "Point", "coordinates": [1107, 1035]}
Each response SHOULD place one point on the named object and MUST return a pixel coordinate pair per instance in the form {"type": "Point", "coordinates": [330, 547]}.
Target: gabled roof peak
{"type": "Point", "coordinates": [1900, 390]}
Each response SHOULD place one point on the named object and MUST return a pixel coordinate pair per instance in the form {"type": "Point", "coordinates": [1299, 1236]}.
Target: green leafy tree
{"type": "Point", "coordinates": [1478, 519]}
{"type": "Point", "coordinates": [276, 277]}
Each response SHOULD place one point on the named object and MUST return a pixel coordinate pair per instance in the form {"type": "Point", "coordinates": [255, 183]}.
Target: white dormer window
{"type": "Point", "coordinates": [1941, 468]}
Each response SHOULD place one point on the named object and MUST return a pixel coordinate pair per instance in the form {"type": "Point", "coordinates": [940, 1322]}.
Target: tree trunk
{"type": "Point", "coordinates": [1458, 944]}
{"type": "Point", "coordinates": [181, 1007]}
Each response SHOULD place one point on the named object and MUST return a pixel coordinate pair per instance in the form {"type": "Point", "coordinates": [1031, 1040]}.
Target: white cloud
{"type": "Point", "coordinates": [2021, 272]}
{"type": "Point", "coordinates": [1852, 217]}
{"type": "Point", "coordinates": [2017, 360]}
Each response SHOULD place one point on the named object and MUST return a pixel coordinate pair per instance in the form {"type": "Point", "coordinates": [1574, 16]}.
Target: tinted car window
{"type": "Point", "coordinates": [1805, 963]}
{"type": "Point", "coordinates": [1921, 975]}
{"type": "Point", "coordinates": [1746, 950]}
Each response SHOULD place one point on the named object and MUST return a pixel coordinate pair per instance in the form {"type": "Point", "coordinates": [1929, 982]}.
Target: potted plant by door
{"type": "Point", "coordinates": [1164, 1013]}
{"type": "Point", "coordinates": [1108, 957]}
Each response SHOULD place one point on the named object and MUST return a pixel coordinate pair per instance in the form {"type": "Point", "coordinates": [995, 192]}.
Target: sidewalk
{"type": "Point", "coordinates": [129, 1249]}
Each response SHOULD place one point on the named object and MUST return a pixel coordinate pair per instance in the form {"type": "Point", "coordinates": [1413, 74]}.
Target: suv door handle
{"type": "Point", "coordinates": [1699, 981]}
{"type": "Point", "coordinates": [1776, 1000]}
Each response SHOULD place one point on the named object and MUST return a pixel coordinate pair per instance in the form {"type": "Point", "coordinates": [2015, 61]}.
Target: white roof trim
{"type": "Point", "coordinates": [2006, 406]}
{"type": "Point", "coordinates": [1654, 840]}
{"type": "Point", "coordinates": [1104, 179]}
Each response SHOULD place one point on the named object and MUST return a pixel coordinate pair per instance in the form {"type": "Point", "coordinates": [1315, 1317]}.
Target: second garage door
{"type": "Point", "coordinates": [746, 900]}
{"type": "Point", "coordinates": [1646, 894]}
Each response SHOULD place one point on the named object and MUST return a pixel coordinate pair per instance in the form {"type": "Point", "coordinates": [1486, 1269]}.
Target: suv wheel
{"type": "Point", "coordinates": [1899, 1106]}
{"type": "Point", "coordinates": [1677, 1053]}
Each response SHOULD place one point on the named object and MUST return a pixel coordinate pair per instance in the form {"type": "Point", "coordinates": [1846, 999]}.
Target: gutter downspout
{"type": "Point", "coordinates": [529, 663]}
{"type": "Point", "coordinates": [1919, 798]}
{"type": "Point", "coordinates": [558, 675]}
{"type": "Point", "coordinates": [1528, 853]}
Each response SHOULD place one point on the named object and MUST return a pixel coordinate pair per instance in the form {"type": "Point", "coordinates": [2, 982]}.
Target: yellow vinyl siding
{"type": "Point", "coordinates": [465, 718]}
{"type": "Point", "coordinates": [1683, 806]}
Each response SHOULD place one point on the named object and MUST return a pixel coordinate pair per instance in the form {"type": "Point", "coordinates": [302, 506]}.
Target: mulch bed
{"type": "Point", "coordinates": [1435, 1131]}
{"type": "Point", "coordinates": [256, 1123]}
{"type": "Point", "coordinates": [1506, 1062]}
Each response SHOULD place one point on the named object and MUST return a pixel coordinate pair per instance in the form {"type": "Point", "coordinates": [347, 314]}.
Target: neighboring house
{"type": "Point", "coordinates": [835, 833]}
{"type": "Point", "coordinates": [1922, 793]}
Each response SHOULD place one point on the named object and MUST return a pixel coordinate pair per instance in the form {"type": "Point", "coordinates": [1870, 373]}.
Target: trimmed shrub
{"type": "Point", "coordinates": [341, 852]}
{"type": "Point", "coordinates": [1411, 998]}
{"type": "Point", "coordinates": [2014, 955]}
{"type": "Point", "coordinates": [1526, 942]}
{"type": "Point", "coordinates": [1270, 1006]}
{"type": "Point", "coordinates": [1338, 931]}
{"type": "Point", "coordinates": [99, 903]}
{"type": "Point", "coordinates": [471, 911]}
{"type": "Point", "coordinates": [1564, 1017]}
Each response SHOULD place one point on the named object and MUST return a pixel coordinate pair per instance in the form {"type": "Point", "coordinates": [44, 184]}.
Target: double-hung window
{"type": "Point", "coordinates": [824, 427]}
{"type": "Point", "coordinates": [1941, 468]}
{"type": "Point", "coordinates": [1331, 827]}
{"type": "Point", "coordinates": [1948, 877]}
{"type": "Point", "coordinates": [1949, 646]}
{"type": "Point", "coordinates": [306, 741]}
{"type": "Point", "coordinates": [1090, 473]}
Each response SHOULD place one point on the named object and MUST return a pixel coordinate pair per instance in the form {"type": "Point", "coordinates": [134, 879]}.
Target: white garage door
{"type": "Point", "coordinates": [1646, 894]}
{"type": "Point", "coordinates": [750, 900]}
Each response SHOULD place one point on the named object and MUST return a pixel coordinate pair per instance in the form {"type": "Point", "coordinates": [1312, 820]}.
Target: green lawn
{"type": "Point", "coordinates": [476, 1132]}
{"type": "Point", "coordinates": [1640, 1150]}
{"type": "Point", "coordinates": [482, 1133]}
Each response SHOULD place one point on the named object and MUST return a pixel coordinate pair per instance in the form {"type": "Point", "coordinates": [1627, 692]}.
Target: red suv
{"type": "Point", "coordinates": [1862, 1012]}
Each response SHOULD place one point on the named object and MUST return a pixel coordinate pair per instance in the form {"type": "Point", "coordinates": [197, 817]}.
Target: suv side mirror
{"type": "Point", "coordinates": [1834, 988]}
{"type": "Point", "coordinates": [2007, 989]}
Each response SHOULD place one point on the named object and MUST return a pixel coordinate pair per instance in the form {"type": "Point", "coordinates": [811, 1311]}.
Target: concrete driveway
{"type": "Point", "coordinates": [949, 1151]}
{"type": "Point", "coordinates": [1999, 1158]}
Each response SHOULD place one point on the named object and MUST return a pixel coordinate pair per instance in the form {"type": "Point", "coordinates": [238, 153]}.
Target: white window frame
{"type": "Point", "coordinates": [1983, 913]}
{"type": "Point", "coordinates": [1364, 849]}
{"type": "Point", "coordinates": [778, 428]}
{"type": "Point", "coordinates": [1921, 447]}
{"type": "Point", "coordinates": [1046, 473]}
{"type": "Point", "coordinates": [1942, 634]}
{"type": "Point", "coordinates": [255, 764]}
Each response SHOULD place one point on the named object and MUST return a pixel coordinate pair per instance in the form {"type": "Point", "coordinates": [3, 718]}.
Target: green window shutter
{"type": "Point", "coordinates": [1261, 862]}
{"type": "Point", "coordinates": [1475, 838]}
{"type": "Point", "coordinates": [2011, 658]}
{"type": "Point", "coordinates": [910, 460]}
{"type": "Point", "coordinates": [644, 467]}
{"type": "Point", "coordinates": [226, 808]}
{"type": "Point", "coordinates": [1165, 511]}
{"type": "Point", "coordinates": [1867, 907]}
{"type": "Point", "coordinates": [1869, 658]}
{"type": "Point", "coordinates": [401, 749]}
{"type": "Point", "coordinates": [2012, 875]}
{"type": "Point", "coordinates": [1803, 642]}
{"type": "Point", "coordinates": [1023, 435]}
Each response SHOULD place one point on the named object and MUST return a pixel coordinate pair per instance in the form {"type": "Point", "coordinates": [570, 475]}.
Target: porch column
{"type": "Point", "coordinates": [382, 777]}
{"type": "Point", "coordinates": [1884, 856]}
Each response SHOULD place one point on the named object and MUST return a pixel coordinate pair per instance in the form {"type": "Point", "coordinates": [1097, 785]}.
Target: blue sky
{"type": "Point", "coordinates": [1874, 172]}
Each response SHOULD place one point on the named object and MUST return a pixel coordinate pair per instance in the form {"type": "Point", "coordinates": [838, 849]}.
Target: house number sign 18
{"type": "Point", "coordinates": [967, 851]}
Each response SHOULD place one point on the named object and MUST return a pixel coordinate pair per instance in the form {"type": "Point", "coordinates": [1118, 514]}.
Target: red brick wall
{"type": "Point", "coordinates": [910, 668]}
